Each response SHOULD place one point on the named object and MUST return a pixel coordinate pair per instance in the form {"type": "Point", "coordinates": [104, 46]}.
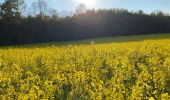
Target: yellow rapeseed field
{"type": "Point", "coordinates": [109, 71]}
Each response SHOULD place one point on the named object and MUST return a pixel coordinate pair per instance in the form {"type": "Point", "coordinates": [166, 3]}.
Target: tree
{"type": "Point", "coordinates": [53, 13]}
{"type": "Point", "coordinates": [10, 10]}
{"type": "Point", "coordinates": [81, 25]}
{"type": "Point", "coordinates": [22, 6]}
{"type": "Point", "coordinates": [81, 8]}
{"type": "Point", "coordinates": [0, 11]}
{"type": "Point", "coordinates": [11, 20]}
{"type": "Point", "coordinates": [42, 5]}
{"type": "Point", "coordinates": [39, 8]}
{"type": "Point", "coordinates": [140, 12]}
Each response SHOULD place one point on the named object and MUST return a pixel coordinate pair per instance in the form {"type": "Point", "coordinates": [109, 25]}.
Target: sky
{"type": "Point", "coordinates": [132, 5]}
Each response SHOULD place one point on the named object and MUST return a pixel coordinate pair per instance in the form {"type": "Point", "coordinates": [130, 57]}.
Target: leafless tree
{"type": "Point", "coordinates": [81, 8]}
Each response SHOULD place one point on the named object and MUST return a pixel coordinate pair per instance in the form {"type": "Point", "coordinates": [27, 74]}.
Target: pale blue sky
{"type": "Point", "coordinates": [146, 5]}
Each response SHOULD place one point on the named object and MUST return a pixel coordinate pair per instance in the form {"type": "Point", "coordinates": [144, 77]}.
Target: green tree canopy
{"type": "Point", "coordinates": [10, 10]}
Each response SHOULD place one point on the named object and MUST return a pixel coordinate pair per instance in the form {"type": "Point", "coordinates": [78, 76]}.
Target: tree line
{"type": "Point", "coordinates": [18, 28]}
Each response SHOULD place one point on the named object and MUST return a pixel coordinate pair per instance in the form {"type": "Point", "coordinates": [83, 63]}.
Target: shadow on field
{"type": "Point", "coordinates": [121, 39]}
{"type": "Point", "coordinates": [116, 39]}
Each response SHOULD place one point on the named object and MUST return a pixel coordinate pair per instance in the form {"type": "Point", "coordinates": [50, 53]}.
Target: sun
{"type": "Point", "coordinates": [87, 2]}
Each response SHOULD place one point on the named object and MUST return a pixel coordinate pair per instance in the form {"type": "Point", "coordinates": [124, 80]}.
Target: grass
{"type": "Point", "coordinates": [114, 39]}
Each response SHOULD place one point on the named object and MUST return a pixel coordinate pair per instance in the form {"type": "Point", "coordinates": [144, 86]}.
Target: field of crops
{"type": "Point", "coordinates": [114, 70]}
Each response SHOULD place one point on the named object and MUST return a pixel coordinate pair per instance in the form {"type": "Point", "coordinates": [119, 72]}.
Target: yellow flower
{"type": "Point", "coordinates": [1, 62]}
